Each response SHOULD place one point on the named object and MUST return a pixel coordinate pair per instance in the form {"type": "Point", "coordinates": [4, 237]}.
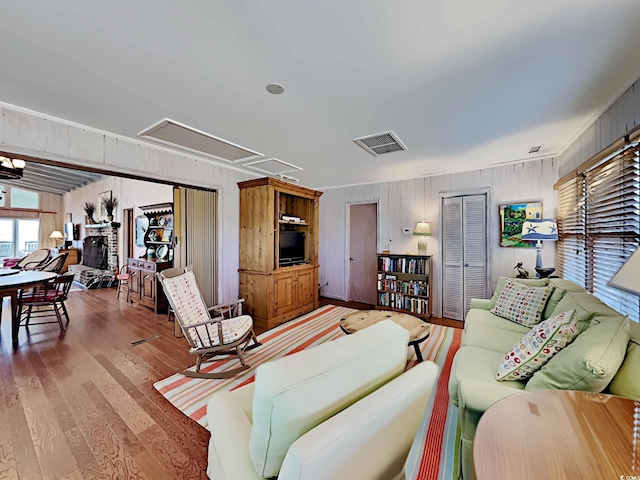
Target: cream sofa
{"type": "Point", "coordinates": [589, 363]}
{"type": "Point", "coordinates": [341, 410]}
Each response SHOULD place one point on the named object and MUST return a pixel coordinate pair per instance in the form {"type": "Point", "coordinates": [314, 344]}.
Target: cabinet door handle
{"type": "Point", "coordinates": [351, 259]}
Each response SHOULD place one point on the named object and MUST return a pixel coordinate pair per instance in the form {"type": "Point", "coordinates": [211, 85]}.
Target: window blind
{"type": "Point", "coordinates": [599, 218]}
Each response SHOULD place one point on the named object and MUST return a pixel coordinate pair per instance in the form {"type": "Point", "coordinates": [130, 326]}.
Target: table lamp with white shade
{"type": "Point", "coordinates": [56, 235]}
{"type": "Point", "coordinates": [540, 229]}
{"type": "Point", "coordinates": [422, 230]}
{"type": "Point", "coordinates": [628, 277]}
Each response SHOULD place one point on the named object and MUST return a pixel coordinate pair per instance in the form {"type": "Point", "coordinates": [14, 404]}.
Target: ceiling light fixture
{"type": "Point", "coordinates": [275, 88]}
{"type": "Point", "coordinates": [11, 168]}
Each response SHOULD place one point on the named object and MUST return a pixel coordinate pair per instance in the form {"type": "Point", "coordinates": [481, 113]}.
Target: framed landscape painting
{"type": "Point", "coordinates": [512, 216]}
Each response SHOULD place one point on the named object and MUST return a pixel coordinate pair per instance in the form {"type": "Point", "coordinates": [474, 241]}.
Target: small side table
{"type": "Point", "coordinates": [559, 434]}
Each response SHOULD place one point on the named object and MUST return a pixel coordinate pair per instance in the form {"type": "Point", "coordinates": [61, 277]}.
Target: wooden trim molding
{"type": "Point", "coordinates": [25, 210]}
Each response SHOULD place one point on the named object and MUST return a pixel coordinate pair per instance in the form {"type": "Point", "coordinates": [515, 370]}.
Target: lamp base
{"type": "Point", "coordinates": [422, 246]}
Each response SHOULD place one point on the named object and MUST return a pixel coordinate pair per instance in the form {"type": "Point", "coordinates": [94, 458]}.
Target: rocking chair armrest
{"type": "Point", "coordinates": [225, 305]}
{"type": "Point", "coordinates": [206, 322]}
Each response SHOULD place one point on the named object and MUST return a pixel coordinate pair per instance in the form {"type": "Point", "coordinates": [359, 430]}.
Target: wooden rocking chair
{"type": "Point", "coordinates": [210, 331]}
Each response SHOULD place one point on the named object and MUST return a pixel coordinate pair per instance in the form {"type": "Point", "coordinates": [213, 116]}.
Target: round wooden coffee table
{"type": "Point", "coordinates": [418, 329]}
{"type": "Point", "coordinates": [559, 434]}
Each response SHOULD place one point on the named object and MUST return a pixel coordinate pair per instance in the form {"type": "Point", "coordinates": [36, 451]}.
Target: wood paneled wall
{"type": "Point", "coordinates": [618, 119]}
{"type": "Point", "coordinates": [403, 204]}
{"type": "Point", "coordinates": [29, 133]}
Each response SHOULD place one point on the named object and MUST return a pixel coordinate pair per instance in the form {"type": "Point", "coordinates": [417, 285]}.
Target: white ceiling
{"type": "Point", "coordinates": [463, 83]}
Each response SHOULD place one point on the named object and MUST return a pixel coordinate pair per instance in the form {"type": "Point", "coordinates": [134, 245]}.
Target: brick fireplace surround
{"type": "Point", "coordinates": [82, 273]}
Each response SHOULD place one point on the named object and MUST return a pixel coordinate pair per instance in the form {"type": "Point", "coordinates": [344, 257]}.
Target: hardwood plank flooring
{"type": "Point", "coordinates": [81, 404]}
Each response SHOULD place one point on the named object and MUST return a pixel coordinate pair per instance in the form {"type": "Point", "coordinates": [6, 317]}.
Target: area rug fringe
{"type": "Point", "coordinates": [432, 455]}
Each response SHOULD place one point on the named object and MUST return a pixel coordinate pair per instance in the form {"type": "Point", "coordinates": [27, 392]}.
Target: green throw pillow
{"type": "Point", "coordinates": [625, 383]}
{"type": "Point", "coordinates": [532, 282]}
{"type": "Point", "coordinates": [590, 362]}
{"type": "Point", "coordinates": [538, 347]}
{"type": "Point", "coordinates": [521, 304]}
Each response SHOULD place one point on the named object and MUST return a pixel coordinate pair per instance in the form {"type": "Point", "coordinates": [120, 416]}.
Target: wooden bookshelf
{"type": "Point", "coordinates": [404, 284]}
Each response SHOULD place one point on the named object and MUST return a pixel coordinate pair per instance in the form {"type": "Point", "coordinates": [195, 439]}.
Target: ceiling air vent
{"type": "Point", "coordinates": [272, 166]}
{"type": "Point", "coordinates": [175, 134]}
{"type": "Point", "coordinates": [381, 143]}
{"type": "Point", "coordinates": [535, 149]}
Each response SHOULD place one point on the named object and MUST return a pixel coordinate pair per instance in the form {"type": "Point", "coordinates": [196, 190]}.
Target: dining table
{"type": "Point", "coordinates": [11, 282]}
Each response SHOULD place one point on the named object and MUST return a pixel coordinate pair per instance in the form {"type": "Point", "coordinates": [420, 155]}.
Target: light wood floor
{"type": "Point", "coordinates": [82, 404]}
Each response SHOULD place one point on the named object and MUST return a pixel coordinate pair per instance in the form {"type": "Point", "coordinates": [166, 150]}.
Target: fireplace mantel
{"type": "Point", "coordinates": [103, 225]}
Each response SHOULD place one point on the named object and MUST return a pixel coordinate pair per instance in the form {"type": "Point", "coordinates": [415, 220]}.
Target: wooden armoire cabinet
{"type": "Point", "coordinates": [278, 250]}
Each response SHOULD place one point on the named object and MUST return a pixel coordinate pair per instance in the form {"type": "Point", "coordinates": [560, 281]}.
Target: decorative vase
{"type": "Point", "coordinates": [110, 218]}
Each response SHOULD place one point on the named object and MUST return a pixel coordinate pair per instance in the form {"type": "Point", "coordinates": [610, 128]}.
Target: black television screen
{"type": "Point", "coordinates": [291, 247]}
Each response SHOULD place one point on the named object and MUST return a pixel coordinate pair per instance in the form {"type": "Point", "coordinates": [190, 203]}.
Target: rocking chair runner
{"type": "Point", "coordinates": [210, 331]}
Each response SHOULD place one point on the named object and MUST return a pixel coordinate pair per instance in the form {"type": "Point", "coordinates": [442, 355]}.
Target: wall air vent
{"type": "Point", "coordinates": [381, 143]}
{"type": "Point", "coordinates": [272, 166]}
{"type": "Point", "coordinates": [175, 134]}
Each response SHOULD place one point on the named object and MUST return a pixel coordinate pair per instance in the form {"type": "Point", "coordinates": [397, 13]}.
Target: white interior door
{"type": "Point", "coordinates": [464, 239]}
{"type": "Point", "coordinates": [452, 249]}
{"type": "Point", "coordinates": [474, 222]}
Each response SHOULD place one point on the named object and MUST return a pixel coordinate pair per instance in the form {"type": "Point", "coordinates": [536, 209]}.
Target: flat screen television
{"type": "Point", "coordinates": [291, 248]}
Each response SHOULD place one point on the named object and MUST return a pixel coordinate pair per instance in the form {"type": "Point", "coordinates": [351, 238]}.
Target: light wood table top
{"type": "Point", "coordinates": [558, 434]}
{"type": "Point", "coordinates": [418, 329]}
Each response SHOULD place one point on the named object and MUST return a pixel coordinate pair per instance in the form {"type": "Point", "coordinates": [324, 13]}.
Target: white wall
{"type": "Point", "coordinates": [403, 204]}
{"type": "Point", "coordinates": [130, 194]}
{"type": "Point", "coordinates": [30, 133]}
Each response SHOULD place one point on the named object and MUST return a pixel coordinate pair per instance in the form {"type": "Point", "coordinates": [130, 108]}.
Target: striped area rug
{"type": "Point", "coordinates": [433, 454]}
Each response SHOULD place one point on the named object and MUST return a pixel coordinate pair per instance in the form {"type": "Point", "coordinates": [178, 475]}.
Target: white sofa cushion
{"type": "Point", "coordinates": [296, 393]}
{"type": "Point", "coordinates": [369, 440]}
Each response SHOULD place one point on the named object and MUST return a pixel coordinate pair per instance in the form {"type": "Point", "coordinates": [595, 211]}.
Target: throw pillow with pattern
{"type": "Point", "coordinates": [522, 304]}
{"type": "Point", "coordinates": [538, 347]}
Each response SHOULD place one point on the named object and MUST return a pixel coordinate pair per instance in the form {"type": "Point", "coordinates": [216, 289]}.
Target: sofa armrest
{"type": "Point", "coordinates": [230, 429]}
{"type": "Point", "coordinates": [368, 440]}
{"type": "Point", "coordinates": [479, 396]}
{"type": "Point", "coordinates": [482, 303]}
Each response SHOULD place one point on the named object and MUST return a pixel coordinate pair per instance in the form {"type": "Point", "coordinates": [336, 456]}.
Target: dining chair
{"type": "Point", "coordinates": [46, 300]}
{"type": "Point", "coordinates": [123, 277]}
{"type": "Point", "coordinates": [33, 260]}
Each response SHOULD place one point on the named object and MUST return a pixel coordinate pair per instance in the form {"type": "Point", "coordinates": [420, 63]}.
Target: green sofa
{"type": "Point", "coordinates": [592, 362]}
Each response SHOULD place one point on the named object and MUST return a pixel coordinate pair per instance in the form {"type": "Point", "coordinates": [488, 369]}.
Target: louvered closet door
{"type": "Point", "coordinates": [464, 247]}
{"type": "Point", "coordinates": [474, 221]}
{"type": "Point", "coordinates": [452, 250]}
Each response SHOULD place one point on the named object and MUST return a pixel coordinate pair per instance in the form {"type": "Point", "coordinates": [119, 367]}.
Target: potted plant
{"type": "Point", "coordinates": [110, 205]}
{"type": "Point", "coordinates": [89, 210]}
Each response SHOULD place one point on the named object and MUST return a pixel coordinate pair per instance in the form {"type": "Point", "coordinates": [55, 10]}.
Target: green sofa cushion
{"type": "Point", "coordinates": [486, 318]}
{"type": "Point", "coordinates": [587, 308]}
{"type": "Point", "coordinates": [531, 282]}
{"type": "Point", "coordinates": [552, 303]}
{"type": "Point", "coordinates": [590, 362]}
{"type": "Point", "coordinates": [626, 383]}
{"type": "Point", "coordinates": [477, 364]}
{"type": "Point", "coordinates": [490, 337]}
{"type": "Point", "coordinates": [567, 285]}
